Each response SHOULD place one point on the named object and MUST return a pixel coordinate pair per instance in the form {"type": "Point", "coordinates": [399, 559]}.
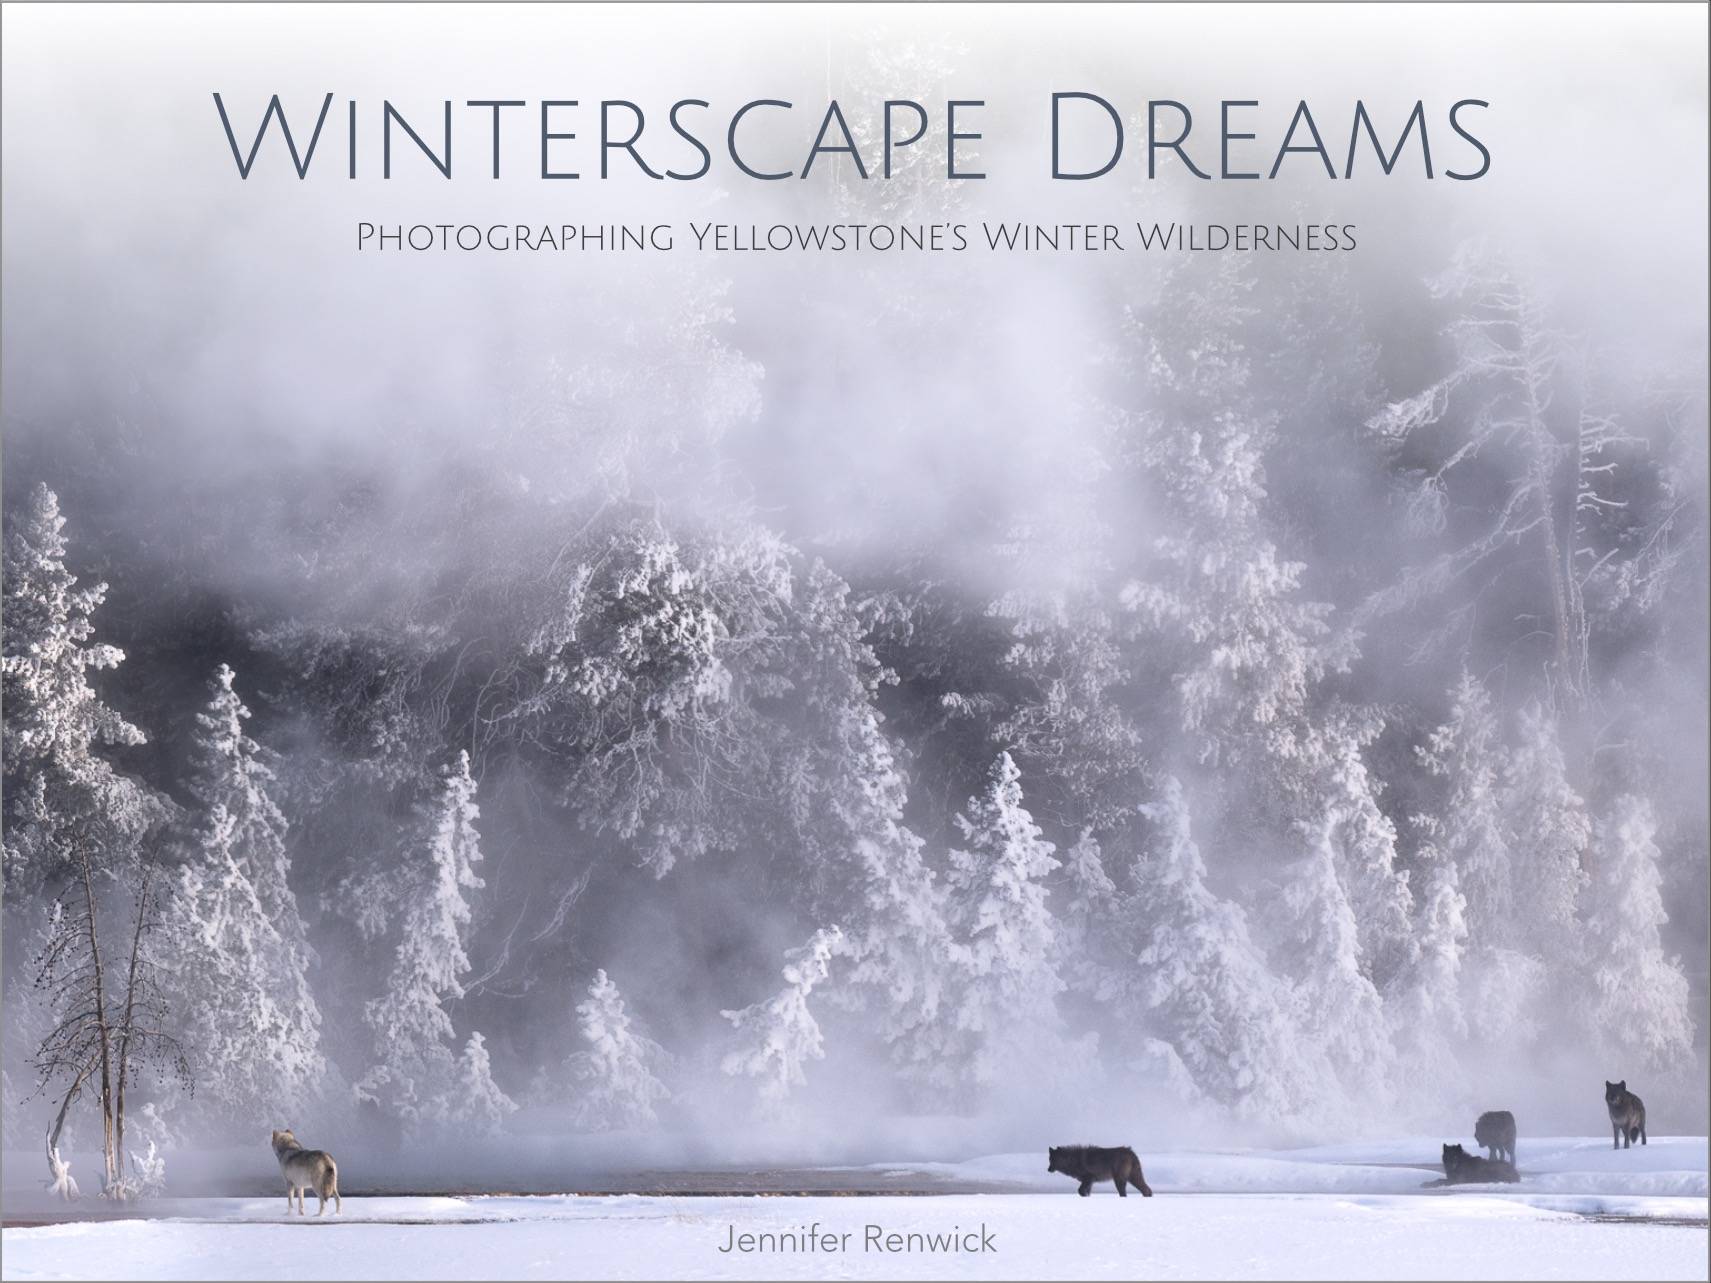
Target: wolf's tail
{"type": "Point", "coordinates": [1633, 1134]}
{"type": "Point", "coordinates": [330, 1182]}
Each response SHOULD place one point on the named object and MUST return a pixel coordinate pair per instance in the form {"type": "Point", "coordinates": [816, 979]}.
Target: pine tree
{"type": "Point", "coordinates": [1428, 1013]}
{"type": "Point", "coordinates": [1468, 755]}
{"type": "Point", "coordinates": [238, 954]}
{"type": "Point", "coordinates": [1092, 958]}
{"type": "Point", "coordinates": [843, 793]}
{"type": "Point", "coordinates": [1641, 1003]}
{"type": "Point", "coordinates": [998, 899]}
{"type": "Point", "coordinates": [1203, 986]}
{"type": "Point", "coordinates": [779, 1036]}
{"type": "Point", "coordinates": [1548, 832]}
{"type": "Point", "coordinates": [1223, 618]}
{"type": "Point", "coordinates": [618, 1087]}
{"type": "Point", "coordinates": [478, 1105]}
{"type": "Point", "coordinates": [414, 1072]}
{"type": "Point", "coordinates": [1336, 1007]}
{"type": "Point", "coordinates": [55, 777]}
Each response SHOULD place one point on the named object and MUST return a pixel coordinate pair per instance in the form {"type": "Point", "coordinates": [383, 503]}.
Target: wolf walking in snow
{"type": "Point", "coordinates": [1627, 1115]}
{"type": "Point", "coordinates": [306, 1169]}
{"type": "Point", "coordinates": [1495, 1130]}
{"type": "Point", "coordinates": [1089, 1163]}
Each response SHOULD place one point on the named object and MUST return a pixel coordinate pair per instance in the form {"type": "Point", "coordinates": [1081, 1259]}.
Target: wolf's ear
{"type": "Point", "coordinates": [1622, 1086]}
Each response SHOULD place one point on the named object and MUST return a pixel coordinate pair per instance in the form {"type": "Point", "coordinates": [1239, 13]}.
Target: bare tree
{"type": "Point", "coordinates": [106, 1024]}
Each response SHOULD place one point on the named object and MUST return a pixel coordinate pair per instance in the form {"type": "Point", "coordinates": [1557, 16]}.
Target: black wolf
{"type": "Point", "coordinates": [1496, 1131]}
{"type": "Point", "coordinates": [1089, 1163]}
{"type": "Point", "coordinates": [1463, 1168]}
{"type": "Point", "coordinates": [1627, 1115]}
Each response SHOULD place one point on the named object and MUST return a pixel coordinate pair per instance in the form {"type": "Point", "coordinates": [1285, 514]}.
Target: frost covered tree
{"type": "Point", "coordinates": [1499, 419]}
{"type": "Point", "coordinates": [414, 1076]}
{"type": "Point", "coordinates": [1094, 959]}
{"type": "Point", "coordinates": [843, 794]}
{"type": "Point", "coordinates": [779, 1036]}
{"type": "Point", "coordinates": [1641, 1004]}
{"type": "Point", "coordinates": [1548, 833]}
{"type": "Point", "coordinates": [1336, 1007]}
{"type": "Point", "coordinates": [1427, 1012]}
{"type": "Point", "coordinates": [56, 723]}
{"type": "Point", "coordinates": [108, 1013]}
{"type": "Point", "coordinates": [1224, 621]}
{"type": "Point", "coordinates": [1202, 985]}
{"type": "Point", "coordinates": [1501, 982]}
{"type": "Point", "coordinates": [1007, 994]}
{"type": "Point", "coordinates": [239, 956]}
{"type": "Point", "coordinates": [1466, 753]}
{"type": "Point", "coordinates": [617, 1085]}
{"type": "Point", "coordinates": [478, 1104]}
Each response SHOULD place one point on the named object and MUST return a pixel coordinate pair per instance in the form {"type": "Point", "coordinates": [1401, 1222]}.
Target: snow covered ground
{"type": "Point", "coordinates": [1356, 1211]}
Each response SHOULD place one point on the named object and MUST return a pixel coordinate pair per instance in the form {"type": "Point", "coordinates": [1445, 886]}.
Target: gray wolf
{"type": "Point", "coordinates": [1089, 1163]}
{"type": "Point", "coordinates": [1627, 1115]}
{"type": "Point", "coordinates": [307, 1169]}
{"type": "Point", "coordinates": [1463, 1168]}
{"type": "Point", "coordinates": [1496, 1132]}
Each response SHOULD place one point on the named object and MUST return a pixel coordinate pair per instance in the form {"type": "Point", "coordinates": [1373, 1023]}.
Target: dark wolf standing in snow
{"type": "Point", "coordinates": [1496, 1132]}
{"type": "Point", "coordinates": [307, 1169]}
{"type": "Point", "coordinates": [1627, 1115]}
{"type": "Point", "coordinates": [1089, 1163]}
{"type": "Point", "coordinates": [1463, 1168]}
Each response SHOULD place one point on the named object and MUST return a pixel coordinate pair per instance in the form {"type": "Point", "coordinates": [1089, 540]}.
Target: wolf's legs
{"type": "Point", "coordinates": [288, 1192]}
{"type": "Point", "coordinates": [1642, 1131]}
{"type": "Point", "coordinates": [1085, 1188]}
{"type": "Point", "coordinates": [338, 1203]}
{"type": "Point", "coordinates": [1122, 1187]}
{"type": "Point", "coordinates": [1615, 1136]}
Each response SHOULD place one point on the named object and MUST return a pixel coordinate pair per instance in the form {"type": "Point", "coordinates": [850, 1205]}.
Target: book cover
{"type": "Point", "coordinates": [854, 641]}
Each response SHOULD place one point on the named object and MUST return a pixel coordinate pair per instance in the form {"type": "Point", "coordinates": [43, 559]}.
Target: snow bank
{"type": "Point", "coordinates": [1025, 1236]}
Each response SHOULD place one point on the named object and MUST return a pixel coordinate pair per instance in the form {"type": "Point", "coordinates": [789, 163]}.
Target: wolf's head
{"type": "Point", "coordinates": [283, 1140]}
{"type": "Point", "coordinates": [1051, 1160]}
{"type": "Point", "coordinates": [1614, 1092]}
{"type": "Point", "coordinates": [1453, 1152]}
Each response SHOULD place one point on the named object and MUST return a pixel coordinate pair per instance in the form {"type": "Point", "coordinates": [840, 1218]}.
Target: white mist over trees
{"type": "Point", "coordinates": [1303, 742]}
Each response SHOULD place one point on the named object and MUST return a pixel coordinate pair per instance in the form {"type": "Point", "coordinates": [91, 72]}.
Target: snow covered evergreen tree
{"type": "Point", "coordinates": [1641, 1004]}
{"type": "Point", "coordinates": [1007, 996]}
{"type": "Point", "coordinates": [1203, 986]}
{"type": "Point", "coordinates": [56, 723]}
{"type": "Point", "coordinates": [1548, 833]}
{"type": "Point", "coordinates": [414, 1076]}
{"type": "Point", "coordinates": [779, 1036]}
{"type": "Point", "coordinates": [1336, 1008]}
{"type": "Point", "coordinates": [1224, 622]}
{"type": "Point", "coordinates": [478, 1105]}
{"type": "Point", "coordinates": [1502, 984]}
{"type": "Point", "coordinates": [236, 950]}
{"type": "Point", "coordinates": [844, 793]}
{"type": "Point", "coordinates": [616, 1084]}
{"type": "Point", "coordinates": [1468, 755]}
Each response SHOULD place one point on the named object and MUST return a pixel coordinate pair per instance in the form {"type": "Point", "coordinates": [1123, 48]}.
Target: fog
{"type": "Point", "coordinates": [403, 494]}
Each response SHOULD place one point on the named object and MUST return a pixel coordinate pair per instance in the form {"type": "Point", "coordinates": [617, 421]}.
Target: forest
{"type": "Point", "coordinates": [1291, 705]}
